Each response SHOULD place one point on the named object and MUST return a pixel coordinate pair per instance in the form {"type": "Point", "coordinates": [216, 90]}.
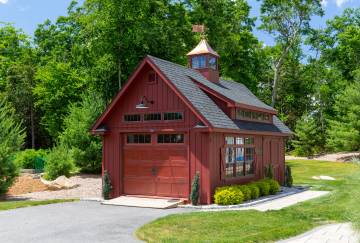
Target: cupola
{"type": "Point", "coordinates": [205, 60]}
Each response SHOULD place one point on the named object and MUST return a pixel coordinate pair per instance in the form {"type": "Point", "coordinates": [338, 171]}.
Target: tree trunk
{"type": "Point", "coordinates": [119, 75]}
{"type": "Point", "coordinates": [32, 125]}
{"type": "Point", "coordinates": [275, 81]}
{"type": "Point", "coordinates": [277, 70]}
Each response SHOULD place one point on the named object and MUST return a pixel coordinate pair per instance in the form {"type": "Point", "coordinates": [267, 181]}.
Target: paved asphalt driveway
{"type": "Point", "coordinates": [76, 222]}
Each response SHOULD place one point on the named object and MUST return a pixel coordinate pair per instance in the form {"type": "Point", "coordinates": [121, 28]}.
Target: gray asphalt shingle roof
{"type": "Point", "coordinates": [182, 77]}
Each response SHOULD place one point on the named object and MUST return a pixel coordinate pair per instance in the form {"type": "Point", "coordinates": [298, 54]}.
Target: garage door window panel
{"type": "Point", "coordinates": [138, 139]}
{"type": "Point", "coordinates": [170, 138]}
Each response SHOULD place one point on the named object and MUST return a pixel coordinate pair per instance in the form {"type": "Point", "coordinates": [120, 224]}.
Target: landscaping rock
{"type": "Point", "coordinates": [326, 178]}
{"type": "Point", "coordinates": [60, 183]}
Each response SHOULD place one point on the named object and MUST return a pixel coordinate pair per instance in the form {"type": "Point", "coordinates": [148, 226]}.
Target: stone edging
{"type": "Point", "coordinates": [288, 192]}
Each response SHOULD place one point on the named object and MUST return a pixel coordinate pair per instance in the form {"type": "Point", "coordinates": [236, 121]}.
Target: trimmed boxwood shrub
{"type": "Point", "coordinates": [236, 194]}
{"type": "Point", "coordinates": [245, 191]}
{"type": "Point", "coordinates": [255, 191]}
{"type": "Point", "coordinates": [274, 186]}
{"type": "Point", "coordinates": [264, 187]}
{"type": "Point", "coordinates": [230, 195]}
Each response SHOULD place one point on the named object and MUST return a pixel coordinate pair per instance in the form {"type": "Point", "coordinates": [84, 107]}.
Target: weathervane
{"type": "Point", "coordinates": [199, 28]}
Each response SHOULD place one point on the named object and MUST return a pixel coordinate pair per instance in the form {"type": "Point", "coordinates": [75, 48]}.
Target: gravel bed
{"type": "Point", "coordinates": [284, 191]}
{"type": "Point", "coordinates": [89, 189]}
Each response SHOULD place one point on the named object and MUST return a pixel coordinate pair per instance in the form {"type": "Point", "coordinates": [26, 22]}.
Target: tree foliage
{"type": "Point", "coordinates": [308, 139]}
{"type": "Point", "coordinates": [289, 21]}
{"type": "Point", "coordinates": [344, 130]}
{"type": "Point", "coordinates": [11, 140]}
{"type": "Point", "coordinates": [86, 148]}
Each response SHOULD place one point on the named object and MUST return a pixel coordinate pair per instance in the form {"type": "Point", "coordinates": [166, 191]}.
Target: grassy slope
{"type": "Point", "coordinates": [6, 205]}
{"type": "Point", "coordinates": [253, 226]}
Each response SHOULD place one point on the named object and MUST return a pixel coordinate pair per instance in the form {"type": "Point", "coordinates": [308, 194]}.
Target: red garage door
{"type": "Point", "coordinates": [156, 170]}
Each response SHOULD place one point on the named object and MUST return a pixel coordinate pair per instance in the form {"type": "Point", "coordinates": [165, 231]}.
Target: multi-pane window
{"type": "Point", "coordinates": [138, 138]}
{"type": "Point", "coordinates": [132, 118]}
{"type": "Point", "coordinates": [239, 156]}
{"type": "Point", "coordinates": [152, 117]}
{"type": "Point", "coordinates": [168, 116]}
{"type": "Point", "coordinates": [212, 63]}
{"type": "Point", "coordinates": [229, 161]}
{"type": "Point", "coordinates": [249, 161]}
{"type": "Point", "coordinates": [251, 115]}
{"type": "Point", "coordinates": [170, 138]}
{"type": "Point", "coordinates": [198, 62]}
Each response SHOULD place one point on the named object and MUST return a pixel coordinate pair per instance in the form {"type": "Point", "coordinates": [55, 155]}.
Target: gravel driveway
{"type": "Point", "coordinates": [76, 222]}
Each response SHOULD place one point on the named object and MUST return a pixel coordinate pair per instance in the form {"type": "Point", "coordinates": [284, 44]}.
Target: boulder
{"type": "Point", "coordinates": [322, 177]}
{"type": "Point", "coordinates": [60, 183]}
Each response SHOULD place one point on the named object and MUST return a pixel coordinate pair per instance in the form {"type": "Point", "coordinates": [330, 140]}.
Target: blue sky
{"type": "Point", "coordinates": [27, 14]}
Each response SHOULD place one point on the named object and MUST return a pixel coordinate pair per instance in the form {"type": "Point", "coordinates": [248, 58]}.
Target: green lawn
{"type": "Point", "coordinates": [253, 226]}
{"type": "Point", "coordinates": [6, 205]}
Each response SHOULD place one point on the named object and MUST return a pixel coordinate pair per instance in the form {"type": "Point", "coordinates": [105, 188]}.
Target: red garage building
{"type": "Point", "coordinates": [170, 122]}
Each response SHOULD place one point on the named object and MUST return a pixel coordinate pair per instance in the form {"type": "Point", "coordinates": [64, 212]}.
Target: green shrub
{"type": "Point", "coordinates": [194, 195]}
{"type": "Point", "coordinates": [264, 187]}
{"type": "Point", "coordinates": [288, 176]}
{"type": "Point", "coordinates": [228, 196]}
{"type": "Point", "coordinates": [274, 186]}
{"type": "Point", "coordinates": [246, 191]}
{"type": "Point", "coordinates": [255, 191]}
{"type": "Point", "coordinates": [269, 171]}
{"type": "Point", "coordinates": [11, 139]}
{"type": "Point", "coordinates": [59, 162]}
{"type": "Point", "coordinates": [26, 159]}
{"type": "Point", "coordinates": [107, 187]}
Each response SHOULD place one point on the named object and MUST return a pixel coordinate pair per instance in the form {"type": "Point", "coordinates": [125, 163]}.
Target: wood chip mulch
{"type": "Point", "coordinates": [26, 183]}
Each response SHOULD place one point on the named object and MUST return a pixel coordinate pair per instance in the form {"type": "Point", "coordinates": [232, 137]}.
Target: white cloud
{"type": "Point", "coordinates": [3, 1]}
{"type": "Point", "coordinates": [339, 3]}
{"type": "Point", "coordinates": [324, 3]}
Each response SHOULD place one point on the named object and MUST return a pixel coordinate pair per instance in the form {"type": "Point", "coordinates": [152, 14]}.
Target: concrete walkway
{"type": "Point", "coordinates": [279, 203]}
{"type": "Point", "coordinates": [143, 202]}
{"type": "Point", "coordinates": [284, 202]}
{"type": "Point", "coordinates": [332, 233]}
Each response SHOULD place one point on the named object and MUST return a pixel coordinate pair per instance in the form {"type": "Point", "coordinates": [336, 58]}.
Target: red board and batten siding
{"type": "Point", "coordinates": [268, 149]}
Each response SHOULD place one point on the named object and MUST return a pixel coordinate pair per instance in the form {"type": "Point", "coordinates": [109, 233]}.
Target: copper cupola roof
{"type": "Point", "coordinates": [203, 48]}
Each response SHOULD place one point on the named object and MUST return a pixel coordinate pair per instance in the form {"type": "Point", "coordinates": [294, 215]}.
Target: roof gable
{"type": "Point", "coordinates": [145, 61]}
{"type": "Point", "coordinates": [203, 104]}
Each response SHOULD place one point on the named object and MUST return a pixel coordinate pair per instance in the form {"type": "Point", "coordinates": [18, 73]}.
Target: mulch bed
{"type": "Point", "coordinates": [26, 183]}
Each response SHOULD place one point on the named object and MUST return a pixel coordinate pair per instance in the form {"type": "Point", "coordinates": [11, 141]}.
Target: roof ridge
{"type": "Point", "coordinates": [173, 63]}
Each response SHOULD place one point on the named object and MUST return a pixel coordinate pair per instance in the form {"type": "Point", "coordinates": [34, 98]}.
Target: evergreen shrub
{"type": "Point", "coordinates": [26, 159]}
{"type": "Point", "coordinates": [107, 187]}
{"type": "Point", "coordinates": [264, 187]}
{"type": "Point", "coordinates": [255, 191]}
{"type": "Point", "coordinates": [59, 162]}
{"type": "Point", "coordinates": [194, 196]}
{"type": "Point", "coordinates": [246, 191]}
{"type": "Point", "coordinates": [274, 186]}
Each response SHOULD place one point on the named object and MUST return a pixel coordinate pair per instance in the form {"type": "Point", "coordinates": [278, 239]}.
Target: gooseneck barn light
{"type": "Point", "coordinates": [144, 103]}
